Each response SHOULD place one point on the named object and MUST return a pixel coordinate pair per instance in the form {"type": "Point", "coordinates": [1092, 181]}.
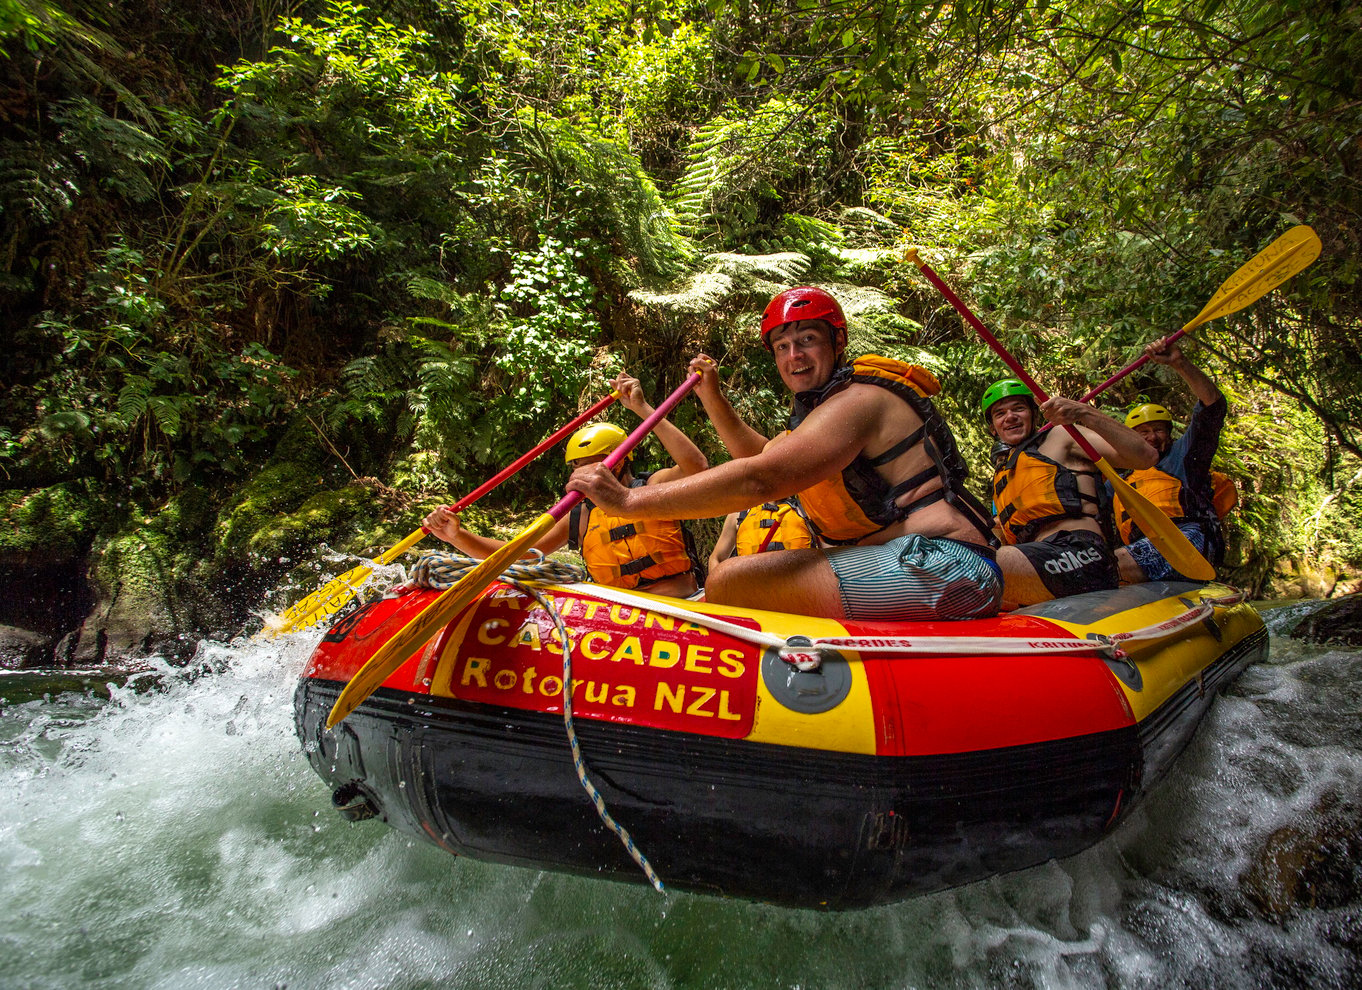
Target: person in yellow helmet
{"type": "Point", "coordinates": [765, 528]}
{"type": "Point", "coordinates": [1047, 493]}
{"type": "Point", "coordinates": [658, 556]}
{"type": "Point", "coordinates": [1181, 482]}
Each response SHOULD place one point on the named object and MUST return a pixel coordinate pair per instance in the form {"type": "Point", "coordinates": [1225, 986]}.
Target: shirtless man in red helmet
{"type": "Point", "coordinates": [876, 470]}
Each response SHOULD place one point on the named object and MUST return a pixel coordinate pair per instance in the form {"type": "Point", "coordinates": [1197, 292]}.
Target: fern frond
{"type": "Point", "coordinates": [621, 194]}
{"type": "Point", "coordinates": [132, 398]}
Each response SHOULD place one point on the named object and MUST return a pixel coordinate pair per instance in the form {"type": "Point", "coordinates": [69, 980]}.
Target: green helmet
{"type": "Point", "coordinates": [1004, 389]}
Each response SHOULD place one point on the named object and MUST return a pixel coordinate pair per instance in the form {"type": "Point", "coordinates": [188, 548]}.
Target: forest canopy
{"type": "Point", "coordinates": [417, 235]}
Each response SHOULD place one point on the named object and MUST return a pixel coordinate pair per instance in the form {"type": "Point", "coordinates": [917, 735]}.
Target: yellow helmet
{"type": "Point", "coordinates": [589, 441]}
{"type": "Point", "coordinates": [1148, 413]}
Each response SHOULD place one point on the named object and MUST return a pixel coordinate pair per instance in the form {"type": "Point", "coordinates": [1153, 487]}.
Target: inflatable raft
{"type": "Point", "coordinates": [776, 757]}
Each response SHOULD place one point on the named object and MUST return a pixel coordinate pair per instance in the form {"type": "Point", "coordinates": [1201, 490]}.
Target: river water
{"type": "Point", "coordinates": [164, 830]}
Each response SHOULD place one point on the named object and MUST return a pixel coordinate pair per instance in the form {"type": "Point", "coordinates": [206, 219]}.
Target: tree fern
{"type": "Point", "coordinates": [724, 277]}
{"type": "Point", "coordinates": [441, 401]}
{"type": "Point", "coordinates": [371, 385]}
{"type": "Point", "coordinates": [736, 164]}
{"type": "Point", "coordinates": [599, 182]}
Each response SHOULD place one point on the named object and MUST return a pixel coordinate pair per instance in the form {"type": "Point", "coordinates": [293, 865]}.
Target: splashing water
{"type": "Point", "coordinates": [166, 831]}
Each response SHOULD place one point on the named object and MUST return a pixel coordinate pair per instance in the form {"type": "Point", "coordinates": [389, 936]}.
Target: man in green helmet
{"type": "Point", "coordinates": [1048, 494]}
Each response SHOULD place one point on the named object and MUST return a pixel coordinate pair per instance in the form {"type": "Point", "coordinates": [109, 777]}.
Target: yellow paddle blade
{"type": "Point", "coordinates": [427, 623]}
{"type": "Point", "coordinates": [1162, 531]}
{"type": "Point", "coordinates": [1286, 256]}
{"type": "Point", "coordinates": [331, 598]}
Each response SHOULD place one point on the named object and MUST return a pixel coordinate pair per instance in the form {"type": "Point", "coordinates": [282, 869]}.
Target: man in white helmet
{"type": "Point", "coordinates": [658, 556]}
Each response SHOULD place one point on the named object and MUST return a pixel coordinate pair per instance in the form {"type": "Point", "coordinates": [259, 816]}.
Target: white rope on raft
{"type": "Point", "coordinates": [441, 570]}
{"type": "Point", "coordinates": [805, 654]}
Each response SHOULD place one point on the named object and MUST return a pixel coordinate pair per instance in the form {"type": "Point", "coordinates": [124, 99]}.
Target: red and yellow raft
{"type": "Point", "coordinates": [911, 757]}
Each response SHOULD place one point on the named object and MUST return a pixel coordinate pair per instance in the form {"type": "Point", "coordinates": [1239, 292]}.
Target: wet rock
{"type": "Point", "coordinates": [1293, 578]}
{"type": "Point", "coordinates": [151, 586]}
{"type": "Point", "coordinates": [1346, 586]}
{"type": "Point", "coordinates": [21, 649]}
{"type": "Point", "coordinates": [1338, 621]}
{"type": "Point", "coordinates": [45, 538]}
{"type": "Point", "coordinates": [1315, 862]}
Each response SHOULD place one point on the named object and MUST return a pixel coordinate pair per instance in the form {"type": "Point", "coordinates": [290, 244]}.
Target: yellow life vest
{"type": "Point", "coordinates": [631, 553]}
{"type": "Point", "coordinates": [1165, 491]}
{"type": "Point", "coordinates": [1030, 491]}
{"type": "Point", "coordinates": [859, 501]}
{"type": "Point", "coordinates": [771, 526]}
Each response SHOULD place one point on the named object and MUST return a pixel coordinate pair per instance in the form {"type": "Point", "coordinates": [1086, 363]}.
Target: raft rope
{"type": "Point", "coordinates": [805, 653]}
{"type": "Point", "coordinates": [440, 569]}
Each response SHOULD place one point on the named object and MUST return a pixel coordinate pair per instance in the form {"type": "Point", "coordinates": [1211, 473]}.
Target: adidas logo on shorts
{"type": "Point", "coordinates": [1072, 560]}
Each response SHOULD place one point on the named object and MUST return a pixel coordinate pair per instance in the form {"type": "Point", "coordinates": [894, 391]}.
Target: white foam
{"type": "Point", "coordinates": [175, 836]}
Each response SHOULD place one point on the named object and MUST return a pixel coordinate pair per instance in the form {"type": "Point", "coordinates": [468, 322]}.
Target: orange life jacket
{"type": "Point", "coordinates": [859, 501]}
{"type": "Point", "coordinates": [772, 526]}
{"type": "Point", "coordinates": [1166, 492]}
{"type": "Point", "coordinates": [1225, 496]}
{"type": "Point", "coordinates": [1030, 491]}
{"type": "Point", "coordinates": [632, 553]}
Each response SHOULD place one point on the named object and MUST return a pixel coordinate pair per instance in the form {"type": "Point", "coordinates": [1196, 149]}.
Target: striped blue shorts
{"type": "Point", "coordinates": [915, 578]}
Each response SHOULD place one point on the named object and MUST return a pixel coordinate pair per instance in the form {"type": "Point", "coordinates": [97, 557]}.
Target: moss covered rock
{"type": "Point", "coordinates": [45, 537]}
{"type": "Point", "coordinates": [49, 527]}
{"type": "Point", "coordinates": [257, 506]}
{"type": "Point", "coordinates": [150, 592]}
{"type": "Point", "coordinates": [329, 517]}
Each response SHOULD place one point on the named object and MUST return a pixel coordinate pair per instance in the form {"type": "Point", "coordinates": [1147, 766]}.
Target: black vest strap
{"type": "Point", "coordinates": [642, 564]}
{"type": "Point", "coordinates": [902, 446]}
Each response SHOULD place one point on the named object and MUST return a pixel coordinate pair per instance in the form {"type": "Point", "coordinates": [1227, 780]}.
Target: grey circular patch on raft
{"type": "Point", "coordinates": [809, 692]}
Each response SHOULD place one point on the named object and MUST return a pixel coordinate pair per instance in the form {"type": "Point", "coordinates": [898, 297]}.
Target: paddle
{"type": "Point", "coordinates": [1162, 532]}
{"type": "Point", "coordinates": [331, 598]}
{"type": "Point", "coordinates": [1288, 255]}
{"type": "Point", "coordinates": [462, 593]}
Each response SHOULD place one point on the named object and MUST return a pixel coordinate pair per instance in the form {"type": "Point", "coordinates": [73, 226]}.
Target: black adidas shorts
{"type": "Point", "coordinates": [1073, 561]}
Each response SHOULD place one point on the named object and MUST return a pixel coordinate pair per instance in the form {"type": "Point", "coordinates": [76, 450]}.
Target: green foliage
{"type": "Point", "coordinates": [622, 69]}
{"type": "Point", "coordinates": [452, 220]}
{"type": "Point", "coordinates": [358, 74]}
{"type": "Point", "coordinates": [1281, 490]}
{"type": "Point", "coordinates": [600, 193]}
{"type": "Point", "coordinates": [644, 86]}
{"type": "Point", "coordinates": [529, 356]}
{"type": "Point", "coordinates": [549, 335]}
{"type": "Point", "coordinates": [146, 398]}
{"type": "Point", "coordinates": [751, 165]}
{"type": "Point", "coordinates": [34, 22]}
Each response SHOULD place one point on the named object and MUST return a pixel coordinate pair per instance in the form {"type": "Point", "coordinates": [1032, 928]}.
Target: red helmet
{"type": "Point", "coordinates": [803, 303]}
